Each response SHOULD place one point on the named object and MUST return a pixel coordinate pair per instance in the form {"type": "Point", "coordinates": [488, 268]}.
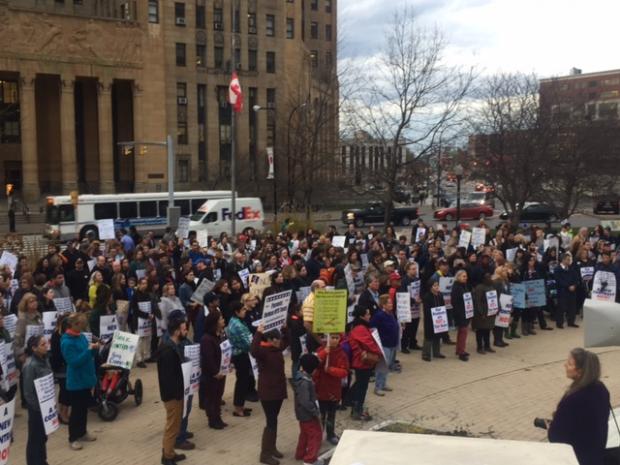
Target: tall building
{"type": "Point", "coordinates": [81, 76]}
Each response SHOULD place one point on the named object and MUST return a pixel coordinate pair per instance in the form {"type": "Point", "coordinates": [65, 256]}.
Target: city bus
{"type": "Point", "coordinates": [146, 210]}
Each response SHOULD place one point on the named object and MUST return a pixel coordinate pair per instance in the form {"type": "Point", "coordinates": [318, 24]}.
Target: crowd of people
{"type": "Point", "coordinates": [143, 280]}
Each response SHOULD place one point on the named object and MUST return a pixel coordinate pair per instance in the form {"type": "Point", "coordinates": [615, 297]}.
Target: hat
{"type": "Point", "coordinates": [394, 276]}
{"type": "Point", "coordinates": [388, 263]}
{"type": "Point", "coordinates": [210, 298]}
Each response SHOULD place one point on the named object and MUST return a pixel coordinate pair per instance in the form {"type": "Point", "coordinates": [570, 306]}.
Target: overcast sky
{"type": "Point", "coordinates": [547, 37]}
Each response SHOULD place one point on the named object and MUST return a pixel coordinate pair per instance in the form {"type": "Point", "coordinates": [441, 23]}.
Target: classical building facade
{"type": "Point", "coordinates": [78, 77]}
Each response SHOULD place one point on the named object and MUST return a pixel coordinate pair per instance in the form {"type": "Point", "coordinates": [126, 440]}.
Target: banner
{"type": "Point", "coordinates": [464, 239]}
{"type": "Point", "coordinates": [601, 321]}
{"type": "Point", "coordinates": [63, 305]}
{"type": "Point", "coordinates": [478, 236]}
{"type": "Point", "coordinates": [183, 228]}
{"type": "Point", "coordinates": [123, 349]}
{"type": "Point", "coordinates": [468, 301]}
{"type": "Point", "coordinates": [106, 229]}
{"type": "Point", "coordinates": [270, 174]}
{"type": "Point", "coordinates": [275, 310]}
{"type": "Point", "coordinates": [46, 393]}
{"type": "Point", "coordinates": [7, 415]}
{"type": "Point", "coordinates": [225, 364]}
{"type": "Point", "coordinates": [192, 353]}
{"type": "Point", "coordinates": [330, 311]}
{"type": "Point", "coordinates": [49, 325]}
{"type": "Point", "coordinates": [440, 319]}
{"type": "Point", "coordinates": [203, 289]}
{"type": "Point", "coordinates": [445, 287]}
{"type": "Point", "coordinates": [107, 326]}
{"type": "Point", "coordinates": [403, 307]}
{"type": "Point", "coordinates": [604, 286]}
{"type": "Point", "coordinates": [535, 295]}
{"type": "Point", "coordinates": [492, 304]}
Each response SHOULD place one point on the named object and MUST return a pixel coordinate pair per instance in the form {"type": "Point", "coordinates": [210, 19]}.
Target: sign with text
{"type": "Point", "coordinates": [403, 307]}
{"type": "Point", "coordinates": [445, 287]}
{"type": "Point", "coordinates": [492, 303]}
{"type": "Point", "coordinates": [275, 310]}
{"type": "Point", "coordinates": [604, 286]}
{"type": "Point", "coordinates": [107, 326]}
{"type": "Point", "coordinates": [225, 365]}
{"type": "Point", "coordinates": [123, 349]}
{"type": "Point", "coordinates": [46, 393]}
{"type": "Point", "coordinates": [192, 353]}
{"type": "Point", "coordinates": [535, 295]}
{"type": "Point", "coordinates": [330, 311]}
{"type": "Point", "coordinates": [440, 319]}
{"type": "Point", "coordinates": [7, 415]}
{"type": "Point", "coordinates": [478, 236]}
{"type": "Point", "coordinates": [106, 229]}
{"type": "Point", "coordinates": [63, 305]}
{"type": "Point", "coordinates": [464, 238]}
{"type": "Point", "coordinates": [468, 301]}
{"type": "Point", "coordinates": [203, 289]}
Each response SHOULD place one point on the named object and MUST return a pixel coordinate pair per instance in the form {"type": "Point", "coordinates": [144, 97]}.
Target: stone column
{"type": "Point", "coordinates": [67, 136]}
{"type": "Point", "coordinates": [28, 117]}
{"type": "Point", "coordinates": [106, 149]}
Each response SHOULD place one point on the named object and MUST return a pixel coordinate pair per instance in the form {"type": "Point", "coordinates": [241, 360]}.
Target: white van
{"type": "Point", "coordinates": [215, 216]}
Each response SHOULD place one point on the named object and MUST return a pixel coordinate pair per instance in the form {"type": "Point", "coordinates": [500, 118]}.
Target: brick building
{"type": "Point", "coordinates": [80, 76]}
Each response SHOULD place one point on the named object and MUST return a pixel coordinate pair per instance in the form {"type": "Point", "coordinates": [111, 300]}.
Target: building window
{"type": "Point", "coordinates": [181, 112]}
{"type": "Point", "coordinates": [329, 60]}
{"type": "Point", "coordinates": [202, 136]}
{"type": "Point", "coordinates": [328, 32]}
{"type": "Point", "coordinates": [182, 90]}
{"type": "Point", "coordinates": [252, 23]}
{"type": "Point", "coordinates": [201, 19]}
{"type": "Point", "coordinates": [314, 4]}
{"type": "Point", "coordinates": [328, 6]}
{"type": "Point", "coordinates": [153, 11]}
{"type": "Point", "coordinates": [608, 110]}
{"type": "Point", "coordinates": [218, 57]}
{"type": "Point", "coordinates": [271, 25]}
{"type": "Point", "coordinates": [314, 56]}
{"type": "Point", "coordinates": [236, 25]}
{"type": "Point", "coordinates": [179, 14]}
{"type": "Point", "coordinates": [271, 62]}
{"type": "Point", "coordinates": [180, 53]}
{"type": "Point", "coordinates": [183, 171]}
{"type": "Point", "coordinates": [252, 60]}
{"type": "Point", "coordinates": [218, 19]}
{"type": "Point", "coordinates": [225, 134]}
{"type": "Point", "coordinates": [314, 30]}
{"type": "Point", "coordinates": [182, 133]}
{"type": "Point", "coordinates": [290, 28]}
{"type": "Point", "coordinates": [201, 55]}
{"type": "Point", "coordinates": [9, 113]}
{"type": "Point", "coordinates": [271, 119]}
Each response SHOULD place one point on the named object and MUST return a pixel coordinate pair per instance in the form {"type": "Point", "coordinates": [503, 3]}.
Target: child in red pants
{"type": "Point", "coordinates": [307, 412]}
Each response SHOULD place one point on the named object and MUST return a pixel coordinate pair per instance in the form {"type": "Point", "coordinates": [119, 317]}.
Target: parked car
{"type": "Point", "coordinates": [607, 205]}
{"type": "Point", "coordinates": [534, 212]}
{"type": "Point", "coordinates": [374, 212]}
{"type": "Point", "coordinates": [469, 211]}
{"type": "Point", "coordinates": [481, 198]}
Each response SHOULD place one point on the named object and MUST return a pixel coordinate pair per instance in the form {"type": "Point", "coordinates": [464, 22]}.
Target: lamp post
{"type": "Point", "coordinates": [258, 108]}
{"type": "Point", "coordinates": [458, 171]}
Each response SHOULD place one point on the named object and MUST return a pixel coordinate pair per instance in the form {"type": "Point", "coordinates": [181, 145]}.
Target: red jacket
{"type": "Point", "coordinates": [361, 340]}
{"type": "Point", "coordinates": [328, 381]}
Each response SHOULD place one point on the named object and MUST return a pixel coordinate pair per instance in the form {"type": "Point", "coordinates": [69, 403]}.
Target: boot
{"type": "Point", "coordinates": [525, 330]}
{"type": "Point", "coordinates": [531, 328]}
{"type": "Point", "coordinates": [507, 334]}
{"type": "Point", "coordinates": [513, 330]}
{"type": "Point", "coordinates": [267, 446]}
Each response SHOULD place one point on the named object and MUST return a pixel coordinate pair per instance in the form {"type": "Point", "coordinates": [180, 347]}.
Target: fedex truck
{"type": "Point", "coordinates": [215, 216]}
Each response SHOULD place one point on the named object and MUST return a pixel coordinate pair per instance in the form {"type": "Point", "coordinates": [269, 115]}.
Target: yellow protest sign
{"type": "Point", "coordinates": [330, 311]}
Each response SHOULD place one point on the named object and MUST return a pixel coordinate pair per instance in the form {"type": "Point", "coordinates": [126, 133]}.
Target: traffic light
{"type": "Point", "coordinates": [127, 150]}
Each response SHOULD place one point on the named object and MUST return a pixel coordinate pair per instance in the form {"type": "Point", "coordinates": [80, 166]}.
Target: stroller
{"type": "Point", "coordinates": [113, 387]}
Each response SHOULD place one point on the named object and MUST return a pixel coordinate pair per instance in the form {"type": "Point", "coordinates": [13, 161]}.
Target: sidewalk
{"type": "Point", "coordinates": [494, 395]}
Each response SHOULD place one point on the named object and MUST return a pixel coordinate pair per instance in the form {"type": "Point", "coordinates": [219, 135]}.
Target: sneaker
{"type": "Point", "coordinates": [88, 438]}
{"type": "Point", "coordinates": [76, 445]}
{"type": "Point", "coordinates": [387, 389]}
{"type": "Point", "coordinates": [185, 445]}
{"type": "Point", "coordinates": [379, 393]}
{"type": "Point", "coordinates": [333, 440]}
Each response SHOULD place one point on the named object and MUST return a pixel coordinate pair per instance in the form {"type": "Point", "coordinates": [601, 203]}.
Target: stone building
{"type": "Point", "coordinates": [79, 76]}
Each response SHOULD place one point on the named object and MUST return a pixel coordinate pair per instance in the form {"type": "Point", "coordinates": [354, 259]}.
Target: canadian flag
{"type": "Point", "coordinates": [235, 95]}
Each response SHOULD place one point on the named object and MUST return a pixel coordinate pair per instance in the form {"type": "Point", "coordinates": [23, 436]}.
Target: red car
{"type": "Point", "coordinates": [469, 211]}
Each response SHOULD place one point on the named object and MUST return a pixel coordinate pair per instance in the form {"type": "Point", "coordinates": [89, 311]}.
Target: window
{"type": "Point", "coordinates": [314, 4]}
{"type": "Point", "coordinates": [104, 211]}
{"type": "Point", "coordinates": [238, 58]}
{"type": "Point", "coordinates": [183, 177]}
{"type": "Point", "coordinates": [290, 28]}
{"type": "Point", "coordinates": [329, 60]}
{"type": "Point", "coordinates": [182, 138]}
{"type": "Point", "coordinates": [201, 20]}
{"type": "Point", "coordinates": [153, 11]}
{"type": "Point", "coordinates": [592, 83]}
{"type": "Point", "coordinates": [201, 55]}
{"type": "Point", "coordinates": [197, 203]}
{"type": "Point", "coordinates": [271, 120]}
{"type": "Point", "coordinates": [218, 19]}
{"type": "Point", "coordinates": [218, 56]}
{"type": "Point", "coordinates": [9, 112]}
{"type": "Point", "coordinates": [179, 14]}
{"type": "Point", "coordinates": [201, 98]}
{"type": "Point", "coordinates": [148, 209]}
{"type": "Point", "coordinates": [181, 89]}
{"type": "Point", "coordinates": [210, 218]}
{"type": "Point", "coordinates": [314, 56]}
{"type": "Point", "coordinates": [608, 110]}
{"type": "Point", "coordinates": [252, 60]}
{"type": "Point", "coordinates": [271, 62]}
{"type": "Point", "coordinates": [252, 23]}
{"type": "Point", "coordinates": [314, 30]}
{"type": "Point", "coordinates": [328, 6]}
{"type": "Point", "coordinates": [236, 25]}
{"type": "Point", "coordinates": [328, 32]}
{"type": "Point", "coordinates": [127, 210]}
{"type": "Point", "coordinates": [271, 25]}
{"type": "Point", "coordinates": [180, 52]}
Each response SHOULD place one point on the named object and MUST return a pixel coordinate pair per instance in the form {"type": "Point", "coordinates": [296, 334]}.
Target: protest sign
{"type": "Point", "coordinates": [552, 242]}
{"type": "Point", "coordinates": [348, 275]}
{"type": "Point", "coordinates": [144, 327]}
{"type": "Point", "coordinates": [364, 259]}
{"type": "Point", "coordinates": [511, 254]}
{"type": "Point", "coordinates": [587, 273]}
{"type": "Point", "coordinates": [9, 368]}
{"type": "Point", "coordinates": [303, 293]}
{"type": "Point", "coordinates": [8, 259]}
{"type": "Point", "coordinates": [535, 295]}
{"type": "Point", "coordinates": [440, 319]}
{"type": "Point", "coordinates": [254, 366]}
{"type": "Point", "coordinates": [203, 289]}
{"type": "Point", "coordinates": [123, 349]}
{"type": "Point", "coordinates": [419, 234]}
{"type": "Point", "coordinates": [258, 282]}
{"type": "Point", "coordinates": [106, 229]}
{"type": "Point", "coordinates": [183, 227]}
{"type": "Point", "coordinates": [49, 325]}
{"type": "Point", "coordinates": [468, 301]}
{"type": "Point", "coordinates": [377, 338]}
{"type": "Point", "coordinates": [414, 289]}
{"type": "Point", "coordinates": [32, 330]}
{"type": "Point", "coordinates": [192, 353]}
{"type": "Point", "coordinates": [244, 275]}
{"type": "Point", "coordinates": [10, 324]}
{"type": "Point", "coordinates": [202, 236]}
{"type": "Point", "coordinates": [339, 241]}
{"type": "Point", "coordinates": [330, 311]}
{"type": "Point", "coordinates": [107, 326]}
{"type": "Point", "coordinates": [140, 273]}
{"type": "Point", "coordinates": [445, 287]}
{"type": "Point", "coordinates": [604, 286]}
{"type": "Point", "coordinates": [464, 238]}
{"type": "Point", "coordinates": [7, 415]}
{"type": "Point", "coordinates": [492, 304]}
{"type": "Point", "coordinates": [601, 323]}
{"type": "Point", "coordinates": [403, 307]}
{"type": "Point", "coordinates": [502, 320]}
{"type": "Point", "coordinates": [46, 393]}
{"type": "Point", "coordinates": [303, 342]}
{"type": "Point", "coordinates": [478, 236]}
{"type": "Point", "coordinates": [275, 310]}
{"type": "Point", "coordinates": [225, 365]}
{"type": "Point", "coordinates": [517, 291]}
{"type": "Point", "coordinates": [186, 369]}
{"type": "Point", "coordinates": [63, 305]}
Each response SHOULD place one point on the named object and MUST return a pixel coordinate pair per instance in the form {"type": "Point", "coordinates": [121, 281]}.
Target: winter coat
{"type": "Point", "coordinates": [210, 356]}
{"type": "Point", "coordinates": [169, 371]}
{"type": "Point", "coordinates": [366, 300]}
{"type": "Point", "coordinates": [271, 377]}
{"type": "Point", "coordinates": [388, 327]}
{"type": "Point", "coordinates": [430, 301]}
{"type": "Point", "coordinates": [481, 318]}
{"type": "Point", "coordinates": [328, 376]}
{"type": "Point", "coordinates": [35, 367]}
{"type": "Point", "coordinates": [361, 340]}
{"type": "Point", "coordinates": [80, 361]}
{"type": "Point", "coordinates": [306, 408]}
{"type": "Point", "coordinates": [458, 304]}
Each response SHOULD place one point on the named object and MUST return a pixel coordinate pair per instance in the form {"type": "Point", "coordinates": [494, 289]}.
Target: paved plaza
{"type": "Point", "coordinates": [494, 395]}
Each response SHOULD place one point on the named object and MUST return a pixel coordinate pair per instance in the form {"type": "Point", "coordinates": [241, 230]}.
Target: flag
{"type": "Point", "coordinates": [271, 173]}
{"type": "Point", "coordinates": [235, 96]}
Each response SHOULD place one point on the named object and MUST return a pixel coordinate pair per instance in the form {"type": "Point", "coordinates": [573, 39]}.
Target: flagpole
{"type": "Point", "coordinates": [233, 132]}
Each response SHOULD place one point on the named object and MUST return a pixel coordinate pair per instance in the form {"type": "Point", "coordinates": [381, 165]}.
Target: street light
{"type": "Point", "coordinates": [256, 109]}
{"type": "Point", "coordinates": [458, 171]}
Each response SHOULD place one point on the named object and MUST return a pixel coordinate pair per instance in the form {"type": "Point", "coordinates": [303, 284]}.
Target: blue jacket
{"type": "Point", "coordinates": [80, 362]}
{"type": "Point", "coordinates": [388, 328]}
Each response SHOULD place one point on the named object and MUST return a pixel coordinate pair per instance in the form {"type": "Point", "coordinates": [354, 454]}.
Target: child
{"type": "Point", "coordinates": [328, 378]}
{"type": "Point", "coordinates": [307, 412]}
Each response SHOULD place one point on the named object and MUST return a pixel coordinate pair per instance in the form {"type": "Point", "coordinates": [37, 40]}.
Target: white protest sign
{"type": "Point", "coordinates": [348, 275]}
{"type": "Point", "coordinates": [225, 365]}
{"type": "Point", "coordinates": [244, 275]}
{"type": "Point", "coordinates": [63, 305]}
{"type": "Point", "coordinates": [8, 259]}
{"type": "Point", "coordinates": [46, 393]}
{"type": "Point", "coordinates": [601, 323]}
{"type": "Point", "coordinates": [108, 325]}
{"type": "Point", "coordinates": [364, 259]}
{"type": "Point", "coordinates": [492, 304]}
{"type": "Point", "coordinates": [7, 415]}
{"type": "Point", "coordinates": [553, 242]}
{"type": "Point", "coordinates": [186, 368]}
{"type": "Point", "coordinates": [106, 229]}
{"type": "Point", "coordinates": [604, 286]}
{"type": "Point", "coordinates": [123, 349]}
{"type": "Point", "coordinates": [478, 236]}
{"type": "Point", "coordinates": [49, 324]}
{"type": "Point", "coordinates": [587, 273]}
{"type": "Point", "coordinates": [202, 237]}
{"type": "Point", "coordinates": [144, 327]}
{"type": "Point", "coordinates": [445, 287]}
{"type": "Point", "coordinates": [502, 320]}
{"type": "Point", "coordinates": [414, 289]}
{"type": "Point", "coordinates": [254, 366]}
{"type": "Point", "coordinates": [440, 319]}
{"type": "Point", "coordinates": [32, 330]}
{"type": "Point", "coordinates": [140, 273]}
{"type": "Point", "coordinates": [9, 368]}
{"type": "Point", "coordinates": [511, 254]}
{"type": "Point", "coordinates": [275, 310]}
{"type": "Point", "coordinates": [145, 307]}
{"type": "Point", "coordinates": [464, 238]}
{"type": "Point", "coordinates": [91, 264]}
{"type": "Point", "coordinates": [377, 338]}
{"type": "Point", "coordinates": [339, 241]}
{"type": "Point", "coordinates": [3, 364]}
{"type": "Point", "coordinates": [192, 353]}
{"type": "Point", "coordinates": [203, 289]}
{"type": "Point", "coordinates": [10, 324]}
{"type": "Point", "coordinates": [253, 245]}
{"type": "Point", "coordinates": [419, 234]}
{"type": "Point", "coordinates": [468, 301]}
{"type": "Point", "coordinates": [403, 307]}
{"type": "Point", "coordinates": [183, 227]}
{"type": "Point", "coordinates": [302, 293]}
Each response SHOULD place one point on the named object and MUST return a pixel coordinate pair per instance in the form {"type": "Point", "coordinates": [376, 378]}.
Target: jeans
{"type": "Point", "coordinates": [294, 368]}
{"type": "Point", "coordinates": [242, 383]}
{"type": "Point", "coordinates": [80, 401]}
{"type": "Point", "coordinates": [272, 410]}
{"type": "Point", "coordinates": [36, 452]}
{"type": "Point", "coordinates": [359, 389]}
{"type": "Point", "coordinates": [182, 436]}
{"type": "Point", "coordinates": [383, 367]}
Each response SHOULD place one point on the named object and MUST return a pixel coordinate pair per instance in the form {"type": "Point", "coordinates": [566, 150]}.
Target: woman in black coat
{"type": "Point", "coordinates": [213, 382]}
{"type": "Point", "coordinates": [431, 340]}
{"type": "Point", "coordinates": [581, 417]}
{"type": "Point", "coordinates": [461, 293]}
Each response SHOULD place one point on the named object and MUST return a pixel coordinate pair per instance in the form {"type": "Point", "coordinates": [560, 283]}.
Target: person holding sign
{"type": "Point", "coordinates": [143, 311]}
{"type": "Point", "coordinates": [483, 322]}
{"type": "Point", "coordinates": [36, 366]}
{"type": "Point", "coordinates": [432, 340]}
{"type": "Point", "coordinates": [567, 281]}
{"type": "Point", "coordinates": [386, 323]}
{"type": "Point", "coordinates": [240, 338]}
{"type": "Point", "coordinates": [212, 381]}
{"type": "Point", "coordinates": [411, 284]}
{"type": "Point", "coordinates": [463, 307]}
{"type": "Point", "coordinates": [102, 308]}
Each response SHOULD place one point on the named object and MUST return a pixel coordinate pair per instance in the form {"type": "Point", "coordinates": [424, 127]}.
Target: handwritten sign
{"type": "Point", "coordinates": [464, 239]}
{"type": "Point", "coordinates": [440, 319]}
{"type": "Point", "coordinates": [46, 394]}
{"type": "Point", "coordinates": [106, 229]}
{"type": "Point", "coordinates": [330, 311]}
{"type": "Point", "coordinates": [123, 349]}
{"type": "Point", "coordinates": [183, 228]}
{"type": "Point", "coordinates": [202, 236]}
{"type": "Point", "coordinates": [478, 236]}
{"type": "Point", "coordinates": [403, 307]}
{"type": "Point", "coordinates": [339, 241]}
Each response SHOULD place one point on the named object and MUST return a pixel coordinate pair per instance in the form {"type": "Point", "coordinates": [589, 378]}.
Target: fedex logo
{"type": "Point", "coordinates": [246, 213]}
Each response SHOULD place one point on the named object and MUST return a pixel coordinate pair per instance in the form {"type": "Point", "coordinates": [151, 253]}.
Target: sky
{"type": "Point", "coordinates": [546, 37]}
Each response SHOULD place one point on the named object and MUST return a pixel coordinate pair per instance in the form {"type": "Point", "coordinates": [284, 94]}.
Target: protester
{"type": "Point", "coordinates": [459, 295]}
{"type": "Point", "coordinates": [387, 325]}
{"type": "Point", "coordinates": [213, 381]}
{"type": "Point", "coordinates": [240, 338]}
{"type": "Point", "coordinates": [307, 412]}
{"type": "Point", "coordinates": [432, 340]}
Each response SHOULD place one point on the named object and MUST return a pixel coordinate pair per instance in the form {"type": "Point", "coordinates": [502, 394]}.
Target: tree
{"type": "Point", "coordinates": [411, 102]}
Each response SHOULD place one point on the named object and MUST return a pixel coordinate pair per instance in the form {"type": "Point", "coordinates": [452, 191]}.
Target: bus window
{"type": "Point", "coordinates": [66, 213]}
{"type": "Point", "coordinates": [128, 210]}
{"type": "Point", "coordinates": [210, 218]}
{"type": "Point", "coordinates": [104, 211]}
{"type": "Point", "coordinates": [148, 209]}
{"type": "Point", "coordinates": [163, 208]}
{"type": "Point", "coordinates": [184, 204]}
{"type": "Point", "coordinates": [197, 203]}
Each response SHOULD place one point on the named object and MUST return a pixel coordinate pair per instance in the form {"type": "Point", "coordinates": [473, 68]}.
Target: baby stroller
{"type": "Point", "coordinates": [113, 387]}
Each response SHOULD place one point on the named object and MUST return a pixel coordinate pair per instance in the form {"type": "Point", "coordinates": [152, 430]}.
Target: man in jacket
{"type": "Point", "coordinates": [171, 387]}
{"type": "Point", "coordinates": [567, 281]}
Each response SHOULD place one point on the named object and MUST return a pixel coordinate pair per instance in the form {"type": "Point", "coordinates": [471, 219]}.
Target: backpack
{"type": "Point", "coordinates": [346, 347]}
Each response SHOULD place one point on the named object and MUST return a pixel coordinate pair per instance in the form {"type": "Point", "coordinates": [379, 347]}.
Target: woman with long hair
{"type": "Point", "coordinates": [581, 416]}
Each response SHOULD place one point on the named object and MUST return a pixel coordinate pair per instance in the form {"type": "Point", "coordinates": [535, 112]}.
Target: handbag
{"type": "Point", "coordinates": [370, 358]}
{"type": "Point", "coordinates": [611, 456]}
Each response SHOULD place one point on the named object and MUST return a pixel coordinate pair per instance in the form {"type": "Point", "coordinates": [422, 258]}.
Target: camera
{"type": "Point", "coordinates": [540, 423]}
